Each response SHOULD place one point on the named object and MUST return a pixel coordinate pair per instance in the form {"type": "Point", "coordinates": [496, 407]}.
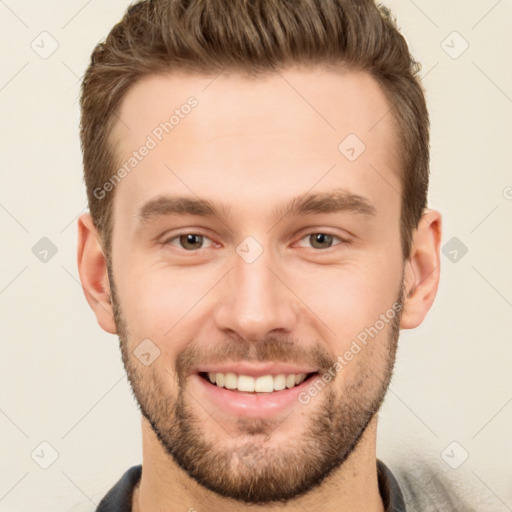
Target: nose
{"type": "Point", "coordinates": [256, 301]}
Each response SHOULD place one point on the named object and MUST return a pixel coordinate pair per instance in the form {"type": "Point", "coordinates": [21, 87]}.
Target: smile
{"type": "Point", "coordinates": [262, 384]}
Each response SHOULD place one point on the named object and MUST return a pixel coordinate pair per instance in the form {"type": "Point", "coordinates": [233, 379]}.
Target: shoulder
{"type": "Point", "coordinates": [425, 488]}
{"type": "Point", "coordinates": [119, 498]}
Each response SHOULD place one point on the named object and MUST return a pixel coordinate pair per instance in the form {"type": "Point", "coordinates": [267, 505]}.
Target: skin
{"type": "Point", "coordinates": [251, 145]}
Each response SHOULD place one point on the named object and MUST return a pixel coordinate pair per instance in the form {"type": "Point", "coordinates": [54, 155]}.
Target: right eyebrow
{"type": "Point", "coordinates": [179, 205]}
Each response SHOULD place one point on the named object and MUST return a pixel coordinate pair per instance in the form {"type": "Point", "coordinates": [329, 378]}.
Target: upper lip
{"type": "Point", "coordinates": [255, 369]}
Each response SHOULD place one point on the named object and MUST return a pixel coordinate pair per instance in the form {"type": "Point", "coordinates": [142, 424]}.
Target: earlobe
{"type": "Point", "coordinates": [422, 270]}
{"type": "Point", "coordinates": [92, 268]}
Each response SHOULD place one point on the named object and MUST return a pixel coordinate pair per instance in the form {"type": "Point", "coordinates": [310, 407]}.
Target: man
{"type": "Point", "coordinates": [257, 174]}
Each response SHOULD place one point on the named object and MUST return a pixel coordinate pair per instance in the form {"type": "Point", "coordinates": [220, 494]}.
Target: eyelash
{"type": "Point", "coordinates": [307, 235]}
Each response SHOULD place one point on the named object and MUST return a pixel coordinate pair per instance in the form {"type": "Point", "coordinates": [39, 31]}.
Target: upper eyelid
{"type": "Point", "coordinates": [167, 235]}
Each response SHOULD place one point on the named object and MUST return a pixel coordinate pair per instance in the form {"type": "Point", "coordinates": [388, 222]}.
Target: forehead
{"type": "Point", "coordinates": [255, 140]}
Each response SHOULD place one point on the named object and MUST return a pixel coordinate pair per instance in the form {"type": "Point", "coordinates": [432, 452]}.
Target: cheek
{"type": "Point", "coordinates": [159, 305]}
{"type": "Point", "coordinates": [349, 299]}
{"type": "Point", "coordinates": [150, 307]}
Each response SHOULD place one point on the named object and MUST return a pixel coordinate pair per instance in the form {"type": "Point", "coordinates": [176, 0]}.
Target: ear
{"type": "Point", "coordinates": [92, 268]}
{"type": "Point", "coordinates": [422, 270]}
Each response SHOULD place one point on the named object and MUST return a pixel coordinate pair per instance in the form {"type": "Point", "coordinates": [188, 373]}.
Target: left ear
{"type": "Point", "coordinates": [422, 270]}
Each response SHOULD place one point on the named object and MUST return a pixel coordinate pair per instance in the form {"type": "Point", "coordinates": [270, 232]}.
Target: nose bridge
{"type": "Point", "coordinates": [254, 300]}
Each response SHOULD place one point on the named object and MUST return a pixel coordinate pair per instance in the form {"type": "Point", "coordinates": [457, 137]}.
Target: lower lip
{"type": "Point", "coordinates": [251, 405]}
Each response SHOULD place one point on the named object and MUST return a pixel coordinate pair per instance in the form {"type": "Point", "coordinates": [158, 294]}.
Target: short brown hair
{"type": "Point", "coordinates": [254, 36]}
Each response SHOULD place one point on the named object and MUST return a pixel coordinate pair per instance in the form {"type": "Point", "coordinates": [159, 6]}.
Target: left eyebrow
{"type": "Point", "coordinates": [334, 201]}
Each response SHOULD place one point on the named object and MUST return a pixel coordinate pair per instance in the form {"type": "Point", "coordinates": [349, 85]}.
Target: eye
{"type": "Point", "coordinates": [321, 240]}
{"type": "Point", "coordinates": [188, 241]}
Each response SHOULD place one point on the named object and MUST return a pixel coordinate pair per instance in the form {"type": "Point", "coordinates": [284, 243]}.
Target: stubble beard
{"type": "Point", "coordinates": [248, 468]}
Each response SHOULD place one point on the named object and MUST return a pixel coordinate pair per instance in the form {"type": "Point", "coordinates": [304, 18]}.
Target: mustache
{"type": "Point", "coordinates": [271, 350]}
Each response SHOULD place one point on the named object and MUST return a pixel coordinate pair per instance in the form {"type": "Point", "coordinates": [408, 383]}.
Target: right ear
{"type": "Point", "coordinates": [92, 268]}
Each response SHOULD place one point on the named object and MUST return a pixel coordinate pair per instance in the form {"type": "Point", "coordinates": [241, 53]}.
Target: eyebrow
{"type": "Point", "coordinates": [335, 201]}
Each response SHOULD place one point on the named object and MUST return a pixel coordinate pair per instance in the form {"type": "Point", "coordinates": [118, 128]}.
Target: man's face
{"type": "Point", "coordinates": [258, 288]}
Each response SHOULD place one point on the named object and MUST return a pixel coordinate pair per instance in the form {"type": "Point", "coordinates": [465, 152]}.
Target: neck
{"type": "Point", "coordinates": [165, 486]}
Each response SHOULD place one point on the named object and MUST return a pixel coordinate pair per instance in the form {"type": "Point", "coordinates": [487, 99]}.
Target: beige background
{"type": "Point", "coordinates": [61, 377]}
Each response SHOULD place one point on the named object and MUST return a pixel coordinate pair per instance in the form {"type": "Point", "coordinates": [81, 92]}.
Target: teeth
{"type": "Point", "coordinates": [230, 380]}
{"type": "Point", "coordinates": [263, 384]}
{"type": "Point", "coordinates": [279, 382]}
{"type": "Point", "coordinates": [245, 383]}
{"type": "Point", "coordinates": [290, 380]}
